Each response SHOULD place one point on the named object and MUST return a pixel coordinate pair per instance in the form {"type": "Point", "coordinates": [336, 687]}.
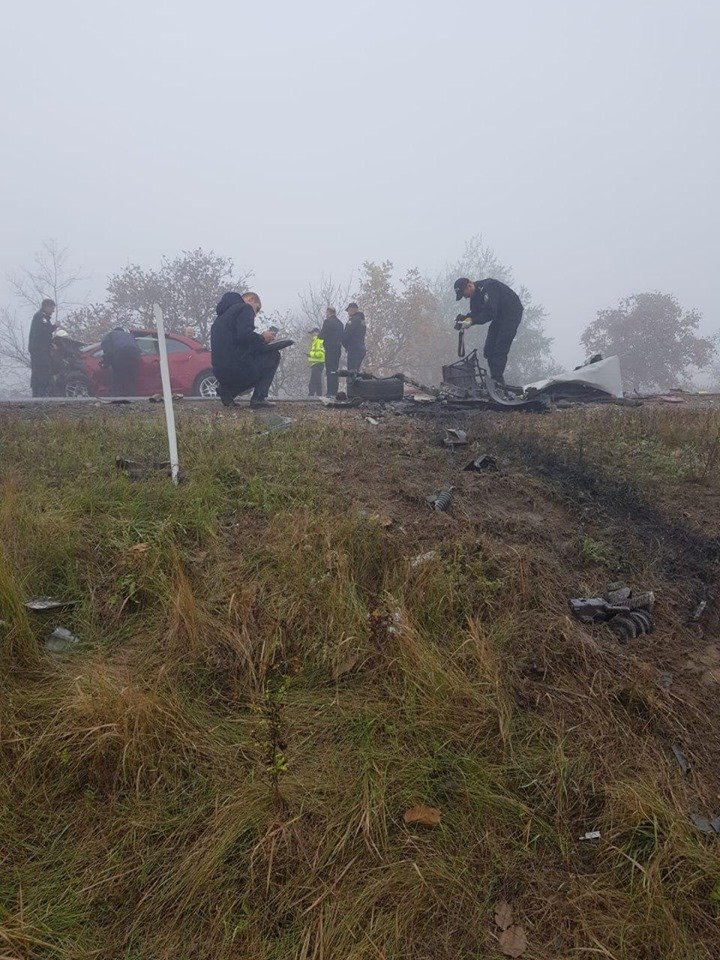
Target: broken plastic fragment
{"type": "Point", "coordinates": [682, 760]}
{"type": "Point", "coordinates": [591, 835]}
{"type": "Point", "coordinates": [423, 558]}
{"type": "Point", "coordinates": [705, 825]}
{"type": "Point", "coordinates": [61, 640]}
{"type": "Point", "coordinates": [48, 603]}
{"type": "Point", "coordinates": [485, 462]}
{"type": "Point", "coordinates": [455, 438]}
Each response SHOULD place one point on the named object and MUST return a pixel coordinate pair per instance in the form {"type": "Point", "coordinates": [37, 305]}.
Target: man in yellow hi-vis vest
{"type": "Point", "coordinates": [316, 359]}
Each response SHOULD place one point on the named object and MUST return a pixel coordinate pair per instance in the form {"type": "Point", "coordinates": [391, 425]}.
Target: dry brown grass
{"type": "Point", "coordinates": [267, 683]}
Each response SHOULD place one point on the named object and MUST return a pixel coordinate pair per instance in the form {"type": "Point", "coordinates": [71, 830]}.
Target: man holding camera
{"type": "Point", "coordinates": [493, 302]}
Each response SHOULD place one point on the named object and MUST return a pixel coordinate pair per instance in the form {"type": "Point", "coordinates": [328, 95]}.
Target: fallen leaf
{"type": "Point", "coordinates": [382, 520]}
{"type": "Point", "coordinates": [426, 816]}
{"type": "Point", "coordinates": [513, 942]}
{"type": "Point", "coordinates": [503, 915]}
{"type": "Point", "coordinates": [347, 664]}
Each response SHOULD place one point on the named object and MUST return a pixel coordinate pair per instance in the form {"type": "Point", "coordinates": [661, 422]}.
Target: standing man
{"type": "Point", "coordinates": [316, 359]}
{"type": "Point", "coordinates": [354, 337]}
{"type": "Point", "coordinates": [331, 334]}
{"type": "Point", "coordinates": [241, 357]}
{"type": "Point", "coordinates": [122, 355]}
{"type": "Point", "coordinates": [40, 345]}
{"type": "Point", "coordinates": [493, 302]}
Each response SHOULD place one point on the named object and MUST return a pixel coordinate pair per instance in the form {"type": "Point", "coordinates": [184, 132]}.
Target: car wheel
{"type": "Point", "coordinates": [206, 384]}
{"type": "Point", "coordinates": [77, 387]}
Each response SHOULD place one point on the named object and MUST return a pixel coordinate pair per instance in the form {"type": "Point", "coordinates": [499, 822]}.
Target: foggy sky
{"type": "Point", "coordinates": [580, 138]}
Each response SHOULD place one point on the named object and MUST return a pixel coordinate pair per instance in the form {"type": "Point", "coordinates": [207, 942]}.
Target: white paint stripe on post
{"type": "Point", "coordinates": [167, 393]}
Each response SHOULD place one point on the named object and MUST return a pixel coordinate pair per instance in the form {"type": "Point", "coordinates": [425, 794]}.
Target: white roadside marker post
{"type": "Point", "coordinates": [167, 394]}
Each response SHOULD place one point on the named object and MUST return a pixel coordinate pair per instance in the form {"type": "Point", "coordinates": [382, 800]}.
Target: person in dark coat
{"type": "Point", "coordinates": [331, 333]}
{"type": "Point", "coordinates": [241, 357]}
{"type": "Point", "coordinates": [122, 355]}
{"type": "Point", "coordinates": [40, 347]}
{"type": "Point", "coordinates": [354, 337]}
{"type": "Point", "coordinates": [493, 302]}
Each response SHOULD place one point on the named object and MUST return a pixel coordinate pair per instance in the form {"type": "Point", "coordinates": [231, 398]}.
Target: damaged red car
{"type": "Point", "coordinates": [189, 363]}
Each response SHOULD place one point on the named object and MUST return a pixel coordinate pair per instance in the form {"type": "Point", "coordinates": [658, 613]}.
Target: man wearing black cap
{"type": "Point", "coordinates": [493, 302]}
{"type": "Point", "coordinates": [354, 337]}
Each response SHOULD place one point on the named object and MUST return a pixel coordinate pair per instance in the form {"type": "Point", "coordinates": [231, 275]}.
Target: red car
{"type": "Point", "coordinates": [189, 362]}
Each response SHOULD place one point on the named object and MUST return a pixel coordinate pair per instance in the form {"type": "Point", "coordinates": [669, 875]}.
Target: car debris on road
{"type": "Point", "coordinates": [627, 615]}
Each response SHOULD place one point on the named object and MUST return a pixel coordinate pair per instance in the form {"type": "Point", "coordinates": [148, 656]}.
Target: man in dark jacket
{"type": "Point", "coordinates": [331, 333]}
{"type": "Point", "coordinates": [122, 355]}
{"type": "Point", "coordinates": [241, 357]}
{"type": "Point", "coordinates": [40, 346]}
{"type": "Point", "coordinates": [493, 302]}
{"type": "Point", "coordinates": [354, 337]}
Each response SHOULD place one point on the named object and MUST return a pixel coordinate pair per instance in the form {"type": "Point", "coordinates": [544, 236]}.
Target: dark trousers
{"type": "Point", "coordinates": [124, 369]}
{"type": "Point", "coordinates": [332, 365]}
{"type": "Point", "coordinates": [315, 388]}
{"type": "Point", "coordinates": [500, 336]}
{"type": "Point", "coordinates": [40, 375]}
{"type": "Point", "coordinates": [355, 357]}
{"type": "Point", "coordinates": [255, 370]}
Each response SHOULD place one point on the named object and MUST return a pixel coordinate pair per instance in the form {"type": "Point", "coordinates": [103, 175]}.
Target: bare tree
{"type": "Point", "coordinates": [51, 276]}
{"type": "Point", "coordinates": [317, 298]}
{"type": "Point", "coordinates": [187, 287]}
{"type": "Point", "coordinates": [13, 341]}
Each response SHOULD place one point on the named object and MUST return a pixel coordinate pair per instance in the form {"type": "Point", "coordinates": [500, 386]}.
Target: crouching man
{"type": "Point", "coordinates": [241, 357]}
{"type": "Point", "coordinates": [493, 302]}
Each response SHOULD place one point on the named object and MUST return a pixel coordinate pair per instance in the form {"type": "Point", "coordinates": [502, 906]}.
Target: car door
{"type": "Point", "coordinates": [98, 375]}
{"type": "Point", "coordinates": [182, 373]}
{"type": "Point", "coordinates": [148, 377]}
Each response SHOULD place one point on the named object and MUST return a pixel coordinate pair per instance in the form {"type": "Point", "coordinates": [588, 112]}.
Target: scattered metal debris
{"type": "Point", "coordinates": [41, 604]}
{"type": "Point", "coordinates": [484, 462]}
{"type": "Point", "coordinates": [61, 640]}
{"type": "Point", "coordinates": [275, 424]}
{"type": "Point", "coordinates": [682, 760]}
{"type": "Point", "coordinates": [441, 501]}
{"type": "Point", "coordinates": [366, 386]}
{"type": "Point", "coordinates": [618, 593]}
{"type": "Point", "coordinates": [698, 611]}
{"type": "Point", "coordinates": [423, 558]}
{"type": "Point", "coordinates": [630, 625]}
{"type": "Point", "coordinates": [158, 397]}
{"type": "Point", "coordinates": [137, 471]}
{"type": "Point", "coordinates": [591, 835]}
{"type": "Point", "coordinates": [340, 402]}
{"type": "Point", "coordinates": [704, 598]}
{"type": "Point", "coordinates": [628, 616]}
{"type": "Point", "coordinates": [705, 825]}
{"type": "Point", "coordinates": [455, 438]}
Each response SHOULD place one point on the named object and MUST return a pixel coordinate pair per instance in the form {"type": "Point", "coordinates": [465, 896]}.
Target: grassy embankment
{"type": "Point", "coordinates": [267, 683]}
